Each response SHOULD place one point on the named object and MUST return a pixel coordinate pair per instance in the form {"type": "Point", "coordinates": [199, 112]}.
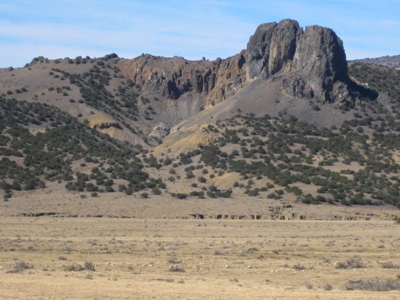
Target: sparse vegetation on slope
{"type": "Point", "coordinates": [275, 157]}
{"type": "Point", "coordinates": [380, 78]}
{"type": "Point", "coordinates": [269, 157]}
{"type": "Point", "coordinates": [30, 160]}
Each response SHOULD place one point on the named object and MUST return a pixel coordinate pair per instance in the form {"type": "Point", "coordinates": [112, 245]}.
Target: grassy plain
{"type": "Point", "coordinates": [53, 257]}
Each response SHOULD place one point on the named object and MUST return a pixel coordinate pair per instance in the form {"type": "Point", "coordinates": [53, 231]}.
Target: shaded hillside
{"type": "Point", "coordinates": [381, 78]}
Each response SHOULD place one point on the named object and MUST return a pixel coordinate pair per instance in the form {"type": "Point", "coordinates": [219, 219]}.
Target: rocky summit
{"type": "Point", "coordinates": [313, 61]}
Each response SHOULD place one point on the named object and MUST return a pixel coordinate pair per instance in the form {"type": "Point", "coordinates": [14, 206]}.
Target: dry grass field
{"type": "Point", "coordinates": [117, 258]}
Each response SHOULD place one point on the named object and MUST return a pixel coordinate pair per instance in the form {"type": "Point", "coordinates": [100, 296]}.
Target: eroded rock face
{"type": "Point", "coordinates": [272, 48]}
{"type": "Point", "coordinates": [173, 77]}
{"type": "Point", "coordinates": [314, 59]}
{"type": "Point", "coordinates": [322, 61]}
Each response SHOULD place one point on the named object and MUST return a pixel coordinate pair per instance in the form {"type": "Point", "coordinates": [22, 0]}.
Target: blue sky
{"type": "Point", "coordinates": [192, 29]}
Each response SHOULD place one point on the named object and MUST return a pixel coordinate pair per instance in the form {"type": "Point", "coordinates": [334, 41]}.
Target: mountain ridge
{"type": "Point", "coordinates": [392, 61]}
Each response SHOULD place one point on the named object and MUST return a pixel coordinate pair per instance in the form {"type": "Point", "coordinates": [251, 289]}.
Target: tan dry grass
{"type": "Point", "coordinates": [221, 259]}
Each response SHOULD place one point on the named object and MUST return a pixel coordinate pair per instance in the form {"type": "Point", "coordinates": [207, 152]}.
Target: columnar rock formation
{"type": "Point", "coordinates": [313, 59]}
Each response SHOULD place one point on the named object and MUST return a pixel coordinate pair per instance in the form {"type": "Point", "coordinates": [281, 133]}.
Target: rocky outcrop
{"type": "Point", "coordinates": [176, 76]}
{"type": "Point", "coordinates": [271, 49]}
{"type": "Point", "coordinates": [321, 59]}
{"type": "Point", "coordinates": [313, 60]}
{"type": "Point", "coordinates": [310, 63]}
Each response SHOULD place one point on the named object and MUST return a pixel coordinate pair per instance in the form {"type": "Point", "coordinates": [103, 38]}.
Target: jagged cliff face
{"type": "Point", "coordinates": [314, 59]}
{"type": "Point", "coordinates": [174, 77]}
{"type": "Point", "coordinates": [309, 63]}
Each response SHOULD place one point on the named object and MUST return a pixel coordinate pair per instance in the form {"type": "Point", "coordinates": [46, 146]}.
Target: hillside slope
{"type": "Point", "coordinates": [282, 123]}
